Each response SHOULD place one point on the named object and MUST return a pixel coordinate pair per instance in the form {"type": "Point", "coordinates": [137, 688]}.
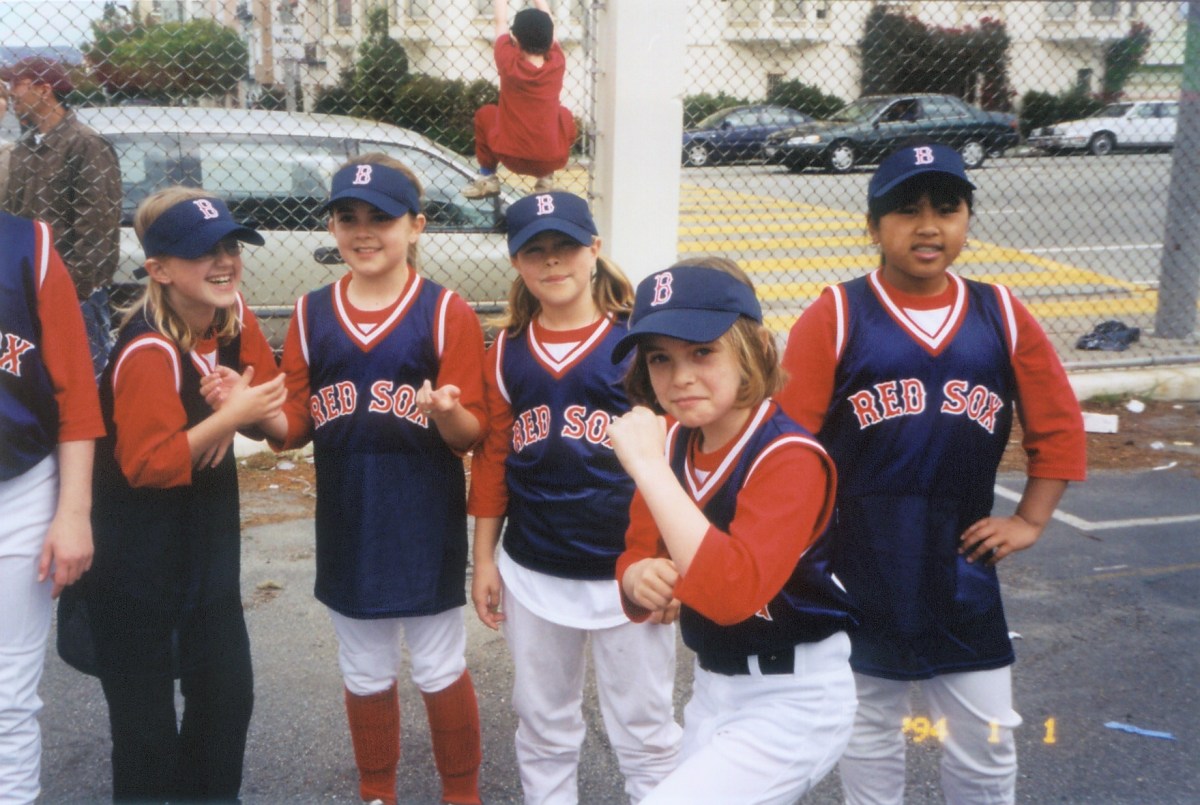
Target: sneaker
{"type": "Point", "coordinates": [483, 187]}
{"type": "Point", "coordinates": [544, 184]}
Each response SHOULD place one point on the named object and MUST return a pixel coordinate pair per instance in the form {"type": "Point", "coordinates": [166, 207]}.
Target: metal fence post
{"type": "Point", "coordinates": [1180, 275]}
{"type": "Point", "coordinates": [639, 123]}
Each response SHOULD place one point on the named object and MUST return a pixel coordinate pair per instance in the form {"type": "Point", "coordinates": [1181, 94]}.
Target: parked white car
{"type": "Point", "coordinates": [273, 169]}
{"type": "Point", "coordinates": [1132, 124]}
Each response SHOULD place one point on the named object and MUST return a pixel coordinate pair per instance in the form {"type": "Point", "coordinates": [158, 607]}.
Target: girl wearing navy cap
{"type": "Point", "coordinates": [385, 377]}
{"type": "Point", "coordinates": [163, 593]}
{"type": "Point", "coordinates": [548, 468]}
{"type": "Point", "coordinates": [910, 376]}
{"type": "Point", "coordinates": [728, 524]}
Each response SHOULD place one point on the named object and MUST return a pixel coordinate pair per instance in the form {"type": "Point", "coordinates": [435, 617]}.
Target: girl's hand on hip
{"type": "Point", "coordinates": [994, 538]}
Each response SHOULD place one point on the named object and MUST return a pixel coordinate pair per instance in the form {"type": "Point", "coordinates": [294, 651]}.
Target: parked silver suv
{"type": "Point", "coordinates": [273, 168]}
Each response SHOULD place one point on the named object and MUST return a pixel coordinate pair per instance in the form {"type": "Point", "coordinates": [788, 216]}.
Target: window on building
{"type": "Point", "coordinates": [821, 9]}
{"type": "Point", "coordinates": [1104, 9]}
{"type": "Point", "coordinates": [344, 12]}
{"type": "Point", "coordinates": [1060, 10]}
{"type": "Point", "coordinates": [1083, 79]}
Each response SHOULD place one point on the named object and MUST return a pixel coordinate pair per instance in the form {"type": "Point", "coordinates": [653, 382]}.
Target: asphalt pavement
{"type": "Point", "coordinates": [1105, 609]}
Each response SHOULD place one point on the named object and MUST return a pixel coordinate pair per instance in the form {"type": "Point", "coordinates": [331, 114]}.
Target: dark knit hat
{"type": "Point", "coordinates": [533, 29]}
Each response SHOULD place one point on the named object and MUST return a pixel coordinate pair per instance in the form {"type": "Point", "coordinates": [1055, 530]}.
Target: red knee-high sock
{"type": "Point", "coordinates": [454, 726]}
{"type": "Point", "coordinates": [375, 733]}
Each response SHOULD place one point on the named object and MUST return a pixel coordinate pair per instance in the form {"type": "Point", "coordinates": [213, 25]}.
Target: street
{"type": "Point", "coordinates": [1105, 609]}
{"type": "Point", "coordinates": [1078, 239]}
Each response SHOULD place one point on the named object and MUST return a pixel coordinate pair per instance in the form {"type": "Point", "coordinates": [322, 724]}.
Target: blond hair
{"type": "Point", "coordinates": [612, 294]}
{"type": "Point", "coordinates": [380, 158]}
{"type": "Point", "coordinates": [154, 304]}
{"type": "Point", "coordinates": [751, 342]}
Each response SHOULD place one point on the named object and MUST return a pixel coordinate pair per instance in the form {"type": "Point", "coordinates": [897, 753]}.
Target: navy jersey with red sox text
{"type": "Point", "coordinates": [28, 410]}
{"type": "Point", "coordinates": [391, 509]}
{"type": "Point", "coordinates": [568, 497]}
{"type": "Point", "coordinates": [811, 604]}
{"type": "Point", "coordinates": [172, 548]}
{"type": "Point", "coordinates": [917, 425]}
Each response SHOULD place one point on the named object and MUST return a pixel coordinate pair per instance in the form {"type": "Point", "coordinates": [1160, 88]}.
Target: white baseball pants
{"type": "Point", "coordinates": [27, 505]}
{"type": "Point", "coordinates": [764, 739]}
{"type": "Point", "coordinates": [369, 650]}
{"type": "Point", "coordinates": [979, 753]}
{"type": "Point", "coordinates": [635, 680]}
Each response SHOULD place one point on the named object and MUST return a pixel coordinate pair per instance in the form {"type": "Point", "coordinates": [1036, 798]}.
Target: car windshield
{"type": "Point", "coordinates": [860, 110]}
{"type": "Point", "coordinates": [714, 120]}
{"type": "Point", "coordinates": [1114, 110]}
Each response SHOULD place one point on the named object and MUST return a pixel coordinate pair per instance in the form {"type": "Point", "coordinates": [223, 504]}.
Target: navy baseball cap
{"type": "Point", "coordinates": [380, 186]}
{"type": "Point", "coordinates": [549, 212]}
{"type": "Point", "coordinates": [191, 229]}
{"type": "Point", "coordinates": [688, 302]}
{"type": "Point", "coordinates": [915, 160]}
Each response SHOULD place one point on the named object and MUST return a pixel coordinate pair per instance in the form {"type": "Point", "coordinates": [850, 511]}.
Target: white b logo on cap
{"type": "Point", "coordinates": [362, 175]}
{"type": "Point", "coordinates": [924, 155]}
{"type": "Point", "coordinates": [662, 289]}
{"type": "Point", "coordinates": [545, 205]}
{"type": "Point", "coordinates": [206, 208]}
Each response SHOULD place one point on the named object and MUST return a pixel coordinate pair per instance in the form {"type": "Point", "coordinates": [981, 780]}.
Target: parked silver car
{"type": "Point", "coordinates": [273, 168]}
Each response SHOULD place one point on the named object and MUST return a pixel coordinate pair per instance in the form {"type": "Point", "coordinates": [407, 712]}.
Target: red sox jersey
{"type": "Point", "coordinates": [917, 422]}
{"type": "Point", "coordinates": [760, 581]}
{"type": "Point", "coordinates": [391, 500]}
{"type": "Point", "coordinates": [547, 462]}
{"type": "Point", "coordinates": [46, 394]}
{"type": "Point", "coordinates": [167, 533]}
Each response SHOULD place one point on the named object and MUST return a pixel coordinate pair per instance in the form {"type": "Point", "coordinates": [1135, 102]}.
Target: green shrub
{"type": "Point", "coordinates": [804, 98]}
{"type": "Point", "coordinates": [441, 109]}
{"type": "Point", "coordinates": [1043, 108]}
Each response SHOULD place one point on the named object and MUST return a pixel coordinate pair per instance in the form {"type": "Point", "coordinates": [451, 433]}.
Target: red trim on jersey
{"type": "Point", "coordinates": [585, 338]}
{"type": "Point", "coordinates": [706, 472]}
{"type": "Point", "coordinates": [350, 317]}
{"type": "Point", "coordinates": [64, 348]}
{"type": "Point", "coordinates": [895, 301]}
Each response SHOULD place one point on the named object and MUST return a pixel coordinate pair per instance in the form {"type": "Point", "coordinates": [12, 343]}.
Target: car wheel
{"type": "Point", "coordinates": [1102, 144]}
{"type": "Point", "coordinates": [697, 155]}
{"type": "Point", "coordinates": [841, 157]}
{"type": "Point", "coordinates": [973, 153]}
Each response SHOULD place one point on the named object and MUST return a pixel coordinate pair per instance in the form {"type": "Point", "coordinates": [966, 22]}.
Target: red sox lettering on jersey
{"type": "Point", "coordinates": [341, 399]}
{"type": "Point", "coordinates": [895, 398]}
{"type": "Point", "coordinates": [533, 425]}
{"type": "Point", "coordinates": [10, 357]}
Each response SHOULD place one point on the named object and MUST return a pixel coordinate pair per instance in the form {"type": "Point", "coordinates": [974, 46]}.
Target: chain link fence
{"type": "Point", "coordinates": [788, 104]}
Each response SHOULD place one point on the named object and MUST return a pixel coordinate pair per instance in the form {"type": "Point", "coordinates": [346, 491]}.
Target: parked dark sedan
{"type": "Point", "coordinates": [870, 128]}
{"type": "Point", "coordinates": [735, 133]}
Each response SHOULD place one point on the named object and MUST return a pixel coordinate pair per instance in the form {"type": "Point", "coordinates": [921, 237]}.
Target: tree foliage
{"type": "Point", "coordinates": [901, 54]}
{"type": "Point", "coordinates": [372, 82]}
{"type": "Point", "coordinates": [1122, 58]}
{"type": "Point", "coordinates": [166, 62]}
{"type": "Point", "coordinates": [804, 98]}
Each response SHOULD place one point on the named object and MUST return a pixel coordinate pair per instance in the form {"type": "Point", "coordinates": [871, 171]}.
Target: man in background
{"type": "Point", "coordinates": [67, 175]}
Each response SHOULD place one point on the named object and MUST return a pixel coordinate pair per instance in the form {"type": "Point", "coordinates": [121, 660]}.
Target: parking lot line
{"type": "Point", "coordinates": [1104, 525]}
